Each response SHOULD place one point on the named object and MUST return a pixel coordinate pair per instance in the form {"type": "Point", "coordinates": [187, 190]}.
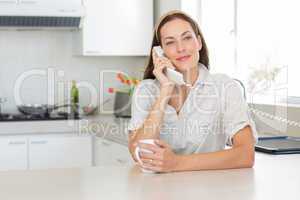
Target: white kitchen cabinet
{"type": "Point", "coordinates": [116, 28]}
{"type": "Point", "coordinates": [8, 2]}
{"type": "Point", "coordinates": [52, 3]}
{"type": "Point", "coordinates": [60, 151]}
{"type": "Point", "coordinates": [111, 153]}
{"type": "Point", "coordinates": [31, 2]}
{"type": "Point", "coordinates": [13, 153]}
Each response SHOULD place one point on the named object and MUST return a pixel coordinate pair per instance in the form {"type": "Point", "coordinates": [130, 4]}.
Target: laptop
{"type": "Point", "coordinates": [278, 145]}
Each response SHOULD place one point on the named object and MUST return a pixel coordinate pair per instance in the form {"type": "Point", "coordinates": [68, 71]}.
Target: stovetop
{"type": "Point", "coordinates": [11, 117]}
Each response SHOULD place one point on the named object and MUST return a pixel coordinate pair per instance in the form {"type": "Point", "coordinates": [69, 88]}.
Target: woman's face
{"type": "Point", "coordinates": [180, 44]}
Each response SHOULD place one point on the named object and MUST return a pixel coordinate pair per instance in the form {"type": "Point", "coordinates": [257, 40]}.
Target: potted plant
{"type": "Point", "coordinates": [122, 105]}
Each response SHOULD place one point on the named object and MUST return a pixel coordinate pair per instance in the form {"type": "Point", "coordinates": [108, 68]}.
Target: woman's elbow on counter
{"type": "Point", "coordinates": [247, 158]}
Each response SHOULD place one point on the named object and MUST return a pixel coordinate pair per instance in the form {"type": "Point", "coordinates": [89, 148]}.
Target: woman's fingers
{"type": "Point", "coordinates": [149, 147]}
{"type": "Point", "coordinates": [154, 151]}
{"type": "Point", "coordinates": [163, 62]}
{"type": "Point", "coordinates": [134, 145]}
{"type": "Point", "coordinates": [151, 167]}
{"type": "Point", "coordinates": [162, 160]}
{"type": "Point", "coordinates": [154, 56]}
{"type": "Point", "coordinates": [161, 143]}
{"type": "Point", "coordinates": [152, 162]}
{"type": "Point", "coordinates": [150, 156]}
{"type": "Point", "coordinates": [160, 63]}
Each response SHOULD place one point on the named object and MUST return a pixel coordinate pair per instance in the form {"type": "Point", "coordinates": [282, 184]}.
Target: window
{"type": "Point", "coordinates": [256, 41]}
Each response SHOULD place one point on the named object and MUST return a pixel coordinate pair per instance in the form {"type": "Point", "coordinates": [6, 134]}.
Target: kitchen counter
{"type": "Point", "coordinates": [273, 177]}
{"type": "Point", "coordinates": [39, 127]}
{"type": "Point", "coordinates": [106, 126]}
{"type": "Point", "coordinates": [101, 125]}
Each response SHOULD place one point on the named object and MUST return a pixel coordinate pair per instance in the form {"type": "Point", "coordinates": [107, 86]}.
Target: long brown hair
{"type": "Point", "coordinates": [203, 53]}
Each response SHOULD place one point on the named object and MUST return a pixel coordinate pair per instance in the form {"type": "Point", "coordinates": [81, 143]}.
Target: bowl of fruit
{"type": "Point", "coordinates": [89, 110]}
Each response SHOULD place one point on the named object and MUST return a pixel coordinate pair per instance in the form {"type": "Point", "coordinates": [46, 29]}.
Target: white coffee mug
{"type": "Point", "coordinates": [138, 150]}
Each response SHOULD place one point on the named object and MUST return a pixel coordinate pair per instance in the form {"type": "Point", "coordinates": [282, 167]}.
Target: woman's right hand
{"type": "Point", "coordinates": [160, 63]}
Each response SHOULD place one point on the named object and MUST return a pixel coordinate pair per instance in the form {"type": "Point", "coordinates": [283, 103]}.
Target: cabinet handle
{"type": "Point", "coordinates": [66, 11]}
{"type": "Point", "coordinates": [106, 143]}
{"type": "Point", "coordinates": [93, 52]}
{"type": "Point", "coordinates": [39, 142]}
{"type": "Point", "coordinates": [17, 142]}
{"type": "Point", "coordinates": [28, 2]}
{"type": "Point", "coordinates": [121, 161]}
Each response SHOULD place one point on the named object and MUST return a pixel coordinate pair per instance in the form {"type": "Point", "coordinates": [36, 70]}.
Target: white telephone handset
{"type": "Point", "coordinates": [173, 75]}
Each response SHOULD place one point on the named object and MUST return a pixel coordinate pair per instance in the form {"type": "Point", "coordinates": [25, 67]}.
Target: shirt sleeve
{"type": "Point", "coordinates": [236, 112]}
{"type": "Point", "coordinates": [142, 100]}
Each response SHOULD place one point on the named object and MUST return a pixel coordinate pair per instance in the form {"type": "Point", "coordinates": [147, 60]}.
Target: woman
{"type": "Point", "coordinates": [191, 125]}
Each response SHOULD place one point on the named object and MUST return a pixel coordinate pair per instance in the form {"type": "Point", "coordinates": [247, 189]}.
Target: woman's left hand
{"type": "Point", "coordinates": [163, 159]}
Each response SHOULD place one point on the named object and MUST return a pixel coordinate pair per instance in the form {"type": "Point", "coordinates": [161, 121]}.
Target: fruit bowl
{"type": "Point", "coordinates": [89, 110]}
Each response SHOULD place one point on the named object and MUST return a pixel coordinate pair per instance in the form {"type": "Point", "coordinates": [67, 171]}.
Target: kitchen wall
{"type": "Point", "coordinates": [276, 119]}
{"type": "Point", "coordinates": [24, 51]}
{"type": "Point", "coordinates": [51, 54]}
{"type": "Point", "coordinates": [163, 6]}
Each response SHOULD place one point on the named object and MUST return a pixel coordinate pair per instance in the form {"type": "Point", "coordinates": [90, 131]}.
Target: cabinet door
{"type": "Point", "coordinates": [103, 154]}
{"type": "Point", "coordinates": [8, 2]}
{"type": "Point", "coordinates": [13, 153]}
{"type": "Point", "coordinates": [118, 27]}
{"type": "Point", "coordinates": [111, 153]}
{"type": "Point", "coordinates": [30, 2]}
{"type": "Point", "coordinates": [52, 3]}
{"type": "Point", "coordinates": [60, 152]}
{"type": "Point", "coordinates": [123, 157]}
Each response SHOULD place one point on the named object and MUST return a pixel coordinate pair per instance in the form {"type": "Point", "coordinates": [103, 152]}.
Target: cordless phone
{"type": "Point", "coordinates": [172, 74]}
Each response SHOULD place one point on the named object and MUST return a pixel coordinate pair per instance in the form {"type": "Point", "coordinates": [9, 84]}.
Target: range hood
{"type": "Point", "coordinates": [36, 14]}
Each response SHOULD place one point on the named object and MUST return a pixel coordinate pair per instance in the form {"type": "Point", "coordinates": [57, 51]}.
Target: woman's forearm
{"type": "Point", "coordinates": [151, 127]}
{"type": "Point", "coordinates": [152, 124]}
{"type": "Point", "coordinates": [236, 157]}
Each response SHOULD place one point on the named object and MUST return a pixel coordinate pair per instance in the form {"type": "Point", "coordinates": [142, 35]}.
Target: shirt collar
{"type": "Point", "coordinates": [202, 76]}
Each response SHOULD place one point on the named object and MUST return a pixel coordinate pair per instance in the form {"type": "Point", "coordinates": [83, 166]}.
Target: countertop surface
{"type": "Point", "coordinates": [102, 125]}
{"type": "Point", "coordinates": [273, 177]}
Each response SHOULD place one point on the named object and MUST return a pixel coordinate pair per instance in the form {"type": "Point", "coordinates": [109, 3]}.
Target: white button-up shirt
{"type": "Point", "coordinates": [212, 113]}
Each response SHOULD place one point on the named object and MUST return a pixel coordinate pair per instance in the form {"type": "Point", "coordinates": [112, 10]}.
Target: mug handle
{"type": "Point", "coordinates": [137, 155]}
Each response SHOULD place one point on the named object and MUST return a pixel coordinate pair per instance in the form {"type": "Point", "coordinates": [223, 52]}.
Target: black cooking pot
{"type": "Point", "coordinates": [39, 109]}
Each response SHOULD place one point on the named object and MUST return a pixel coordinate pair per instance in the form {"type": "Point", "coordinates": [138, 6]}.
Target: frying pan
{"type": "Point", "coordinates": [38, 109]}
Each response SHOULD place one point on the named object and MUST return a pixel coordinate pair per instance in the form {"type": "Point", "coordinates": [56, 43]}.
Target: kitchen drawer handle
{"type": "Point", "coordinates": [93, 52]}
{"type": "Point", "coordinates": [106, 143]}
{"type": "Point", "coordinates": [16, 142]}
{"type": "Point", "coordinates": [39, 142]}
{"type": "Point", "coordinates": [28, 2]}
{"type": "Point", "coordinates": [67, 11]}
{"type": "Point", "coordinates": [121, 161]}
